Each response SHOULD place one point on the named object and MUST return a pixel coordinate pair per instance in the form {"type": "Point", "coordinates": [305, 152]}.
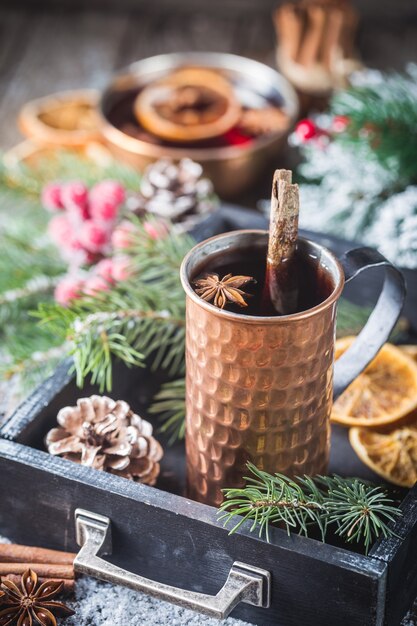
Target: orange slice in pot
{"type": "Point", "coordinates": [383, 394]}
{"type": "Point", "coordinates": [191, 104]}
{"type": "Point", "coordinates": [392, 455]}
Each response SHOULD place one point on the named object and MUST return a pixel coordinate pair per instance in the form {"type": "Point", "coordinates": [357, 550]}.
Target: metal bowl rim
{"type": "Point", "coordinates": [168, 61]}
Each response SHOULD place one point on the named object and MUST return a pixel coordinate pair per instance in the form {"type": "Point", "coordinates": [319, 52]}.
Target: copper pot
{"type": "Point", "coordinates": [231, 169]}
{"type": "Point", "coordinates": [261, 388]}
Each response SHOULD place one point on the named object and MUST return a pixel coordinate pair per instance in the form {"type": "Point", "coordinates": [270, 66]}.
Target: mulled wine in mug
{"type": "Point", "coordinates": [260, 387]}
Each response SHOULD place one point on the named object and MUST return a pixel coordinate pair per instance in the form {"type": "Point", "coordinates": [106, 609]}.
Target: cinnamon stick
{"type": "Point", "coordinates": [281, 277]}
{"type": "Point", "coordinates": [43, 570]}
{"type": "Point", "coordinates": [332, 34]}
{"type": "Point", "coordinates": [289, 26]}
{"type": "Point", "coordinates": [14, 553]}
{"type": "Point", "coordinates": [311, 46]}
{"type": "Point", "coordinates": [69, 585]}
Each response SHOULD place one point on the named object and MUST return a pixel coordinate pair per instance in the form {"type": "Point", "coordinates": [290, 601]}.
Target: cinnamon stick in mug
{"type": "Point", "coordinates": [281, 284]}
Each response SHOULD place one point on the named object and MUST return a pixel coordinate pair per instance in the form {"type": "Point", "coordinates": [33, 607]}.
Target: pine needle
{"type": "Point", "coordinates": [383, 119]}
{"type": "Point", "coordinates": [355, 510]}
{"type": "Point", "coordinates": [169, 405]}
{"type": "Point", "coordinates": [139, 321]}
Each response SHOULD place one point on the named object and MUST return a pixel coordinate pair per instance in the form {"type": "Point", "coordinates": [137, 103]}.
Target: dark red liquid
{"type": "Point", "coordinates": [120, 112]}
{"type": "Point", "coordinates": [314, 282]}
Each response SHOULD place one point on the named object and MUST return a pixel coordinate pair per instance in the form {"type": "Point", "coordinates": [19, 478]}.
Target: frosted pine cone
{"type": "Point", "coordinates": [107, 435]}
{"type": "Point", "coordinates": [176, 192]}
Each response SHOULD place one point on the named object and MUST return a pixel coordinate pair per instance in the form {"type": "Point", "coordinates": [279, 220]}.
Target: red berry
{"type": "Point", "coordinates": [339, 123]}
{"type": "Point", "coordinates": [123, 235]}
{"type": "Point", "coordinates": [75, 197]}
{"type": "Point", "coordinates": [104, 268]}
{"type": "Point", "coordinates": [105, 200]}
{"type": "Point", "coordinates": [235, 137]}
{"type": "Point", "coordinates": [51, 197]}
{"type": "Point", "coordinates": [60, 231]}
{"type": "Point", "coordinates": [122, 268]}
{"type": "Point", "coordinates": [156, 229]}
{"type": "Point", "coordinates": [94, 285]}
{"type": "Point", "coordinates": [93, 237]}
{"type": "Point", "coordinates": [306, 129]}
{"type": "Point", "coordinates": [68, 289]}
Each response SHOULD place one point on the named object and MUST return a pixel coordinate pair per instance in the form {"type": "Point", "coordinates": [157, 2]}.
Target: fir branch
{"type": "Point", "coordinates": [70, 165]}
{"type": "Point", "coordinates": [138, 321]}
{"type": "Point", "coordinates": [358, 511]}
{"type": "Point", "coordinates": [169, 405]}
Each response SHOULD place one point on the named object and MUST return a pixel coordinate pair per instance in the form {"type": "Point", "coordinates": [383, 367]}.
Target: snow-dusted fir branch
{"type": "Point", "coordinates": [35, 286]}
{"type": "Point", "coordinates": [33, 362]}
{"type": "Point", "coordinates": [362, 180]}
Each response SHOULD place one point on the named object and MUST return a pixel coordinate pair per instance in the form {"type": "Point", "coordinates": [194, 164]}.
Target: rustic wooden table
{"type": "Point", "coordinates": [45, 50]}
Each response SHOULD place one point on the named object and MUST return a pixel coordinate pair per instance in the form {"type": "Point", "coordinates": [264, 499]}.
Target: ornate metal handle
{"type": "Point", "coordinates": [244, 583]}
{"type": "Point", "coordinates": [381, 321]}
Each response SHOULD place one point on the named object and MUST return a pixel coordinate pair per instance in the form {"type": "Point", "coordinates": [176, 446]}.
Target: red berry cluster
{"type": "Point", "coordinates": [86, 227]}
{"type": "Point", "coordinates": [86, 218]}
{"type": "Point", "coordinates": [309, 130]}
{"type": "Point", "coordinates": [82, 228]}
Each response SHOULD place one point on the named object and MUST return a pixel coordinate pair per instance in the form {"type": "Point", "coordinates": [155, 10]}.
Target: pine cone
{"type": "Point", "coordinates": [107, 435]}
{"type": "Point", "coordinates": [176, 192]}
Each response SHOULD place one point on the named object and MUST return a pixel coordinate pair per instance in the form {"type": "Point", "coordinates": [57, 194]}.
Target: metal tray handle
{"type": "Point", "coordinates": [244, 583]}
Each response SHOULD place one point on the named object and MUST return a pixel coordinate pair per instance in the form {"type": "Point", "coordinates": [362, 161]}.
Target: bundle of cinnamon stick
{"type": "Point", "coordinates": [48, 564]}
{"type": "Point", "coordinates": [315, 34]}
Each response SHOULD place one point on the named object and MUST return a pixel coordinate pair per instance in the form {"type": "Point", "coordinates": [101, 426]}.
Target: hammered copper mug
{"type": "Point", "coordinates": [261, 388]}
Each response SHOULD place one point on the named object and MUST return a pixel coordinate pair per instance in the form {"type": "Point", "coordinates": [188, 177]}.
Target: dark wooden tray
{"type": "Point", "coordinates": [159, 533]}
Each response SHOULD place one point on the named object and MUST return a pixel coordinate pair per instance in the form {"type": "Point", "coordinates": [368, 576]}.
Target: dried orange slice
{"type": "Point", "coordinates": [392, 455]}
{"type": "Point", "coordinates": [384, 393]}
{"type": "Point", "coordinates": [410, 351]}
{"type": "Point", "coordinates": [191, 104]}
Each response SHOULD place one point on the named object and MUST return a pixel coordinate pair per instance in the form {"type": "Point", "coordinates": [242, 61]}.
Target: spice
{"type": "Point", "coordinates": [68, 584]}
{"type": "Point", "coordinates": [281, 279]}
{"type": "Point", "coordinates": [32, 602]}
{"type": "Point", "coordinates": [15, 553]}
{"type": "Point", "coordinates": [44, 570]}
{"type": "Point", "coordinates": [220, 291]}
{"type": "Point", "coordinates": [107, 435]}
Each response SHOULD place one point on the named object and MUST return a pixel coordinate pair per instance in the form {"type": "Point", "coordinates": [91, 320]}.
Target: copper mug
{"type": "Point", "coordinates": [261, 388]}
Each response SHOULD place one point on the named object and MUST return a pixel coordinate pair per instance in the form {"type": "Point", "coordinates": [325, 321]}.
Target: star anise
{"type": "Point", "coordinates": [220, 291]}
{"type": "Point", "coordinates": [31, 604]}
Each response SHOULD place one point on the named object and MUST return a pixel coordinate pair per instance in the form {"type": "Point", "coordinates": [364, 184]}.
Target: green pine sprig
{"type": "Point", "coordinates": [354, 510]}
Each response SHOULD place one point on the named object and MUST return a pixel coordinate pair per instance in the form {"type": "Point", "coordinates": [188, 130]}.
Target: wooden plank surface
{"type": "Point", "coordinates": [43, 51]}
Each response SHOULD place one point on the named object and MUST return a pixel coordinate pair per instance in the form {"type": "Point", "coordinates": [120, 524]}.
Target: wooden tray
{"type": "Point", "coordinates": [158, 533]}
